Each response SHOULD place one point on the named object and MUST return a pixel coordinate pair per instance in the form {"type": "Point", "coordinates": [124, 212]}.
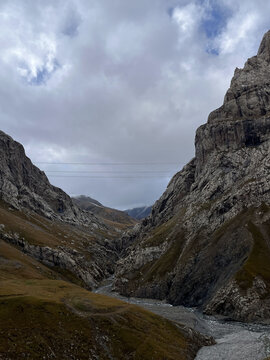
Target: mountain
{"type": "Point", "coordinates": [140, 212]}
{"type": "Point", "coordinates": [110, 216]}
{"type": "Point", "coordinates": [207, 240]}
{"type": "Point", "coordinates": [42, 221]}
{"type": "Point", "coordinates": [24, 186]}
{"type": "Point", "coordinates": [86, 201]}
{"type": "Point", "coordinates": [50, 251]}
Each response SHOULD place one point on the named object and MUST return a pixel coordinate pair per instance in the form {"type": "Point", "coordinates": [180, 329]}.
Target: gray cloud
{"type": "Point", "coordinates": [119, 81]}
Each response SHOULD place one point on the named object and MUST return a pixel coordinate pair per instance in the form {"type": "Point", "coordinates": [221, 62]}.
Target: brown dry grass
{"type": "Point", "coordinates": [45, 318]}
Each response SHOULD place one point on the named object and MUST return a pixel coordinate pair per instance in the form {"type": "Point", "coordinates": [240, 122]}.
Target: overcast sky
{"type": "Point", "coordinates": [120, 84]}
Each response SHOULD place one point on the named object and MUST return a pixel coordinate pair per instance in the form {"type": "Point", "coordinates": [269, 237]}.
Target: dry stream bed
{"type": "Point", "coordinates": [234, 340]}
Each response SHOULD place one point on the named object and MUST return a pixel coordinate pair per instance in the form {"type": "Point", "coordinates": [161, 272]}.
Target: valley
{"type": "Point", "coordinates": [79, 280]}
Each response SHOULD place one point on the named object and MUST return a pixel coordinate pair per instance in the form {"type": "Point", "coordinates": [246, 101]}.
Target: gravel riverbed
{"type": "Point", "coordinates": [234, 340]}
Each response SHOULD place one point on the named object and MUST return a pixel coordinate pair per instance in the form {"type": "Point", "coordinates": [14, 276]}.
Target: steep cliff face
{"type": "Point", "coordinates": [207, 240]}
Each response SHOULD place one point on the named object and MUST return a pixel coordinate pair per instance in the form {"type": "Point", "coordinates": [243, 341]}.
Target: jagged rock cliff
{"type": "Point", "coordinates": [207, 240]}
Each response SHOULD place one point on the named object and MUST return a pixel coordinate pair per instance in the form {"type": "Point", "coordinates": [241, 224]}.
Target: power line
{"type": "Point", "coordinates": [108, 177]}
{"type": "Point", "coordinates": [109, 172]}
{"type": "Point", "coordinates": [107, 164]}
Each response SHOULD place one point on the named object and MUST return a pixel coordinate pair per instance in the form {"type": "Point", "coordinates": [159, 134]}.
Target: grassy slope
{"type": "Point", "coordinates": [257, 263]}
{"type": "Point", "coordinates": [38, 230]}
{"type": "Point", "coordinates": [45, 318]}
{"type": "Point", "coordinates": [112, 217]}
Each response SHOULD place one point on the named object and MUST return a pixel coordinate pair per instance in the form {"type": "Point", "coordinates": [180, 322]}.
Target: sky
{"type": "Point", "coordinates": [106, 95]}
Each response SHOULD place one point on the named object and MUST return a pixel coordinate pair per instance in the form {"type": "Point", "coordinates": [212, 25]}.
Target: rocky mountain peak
{"type": "Point", "coordinates": [264, 49]}
{"type": "Point", "coordinates": [244, 118]}
{"type": "Point", "coordinates": [248, 95]}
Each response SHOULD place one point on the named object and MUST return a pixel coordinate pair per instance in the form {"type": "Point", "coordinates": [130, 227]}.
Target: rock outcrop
{"type": "Point", "coordinates": [207, 240]}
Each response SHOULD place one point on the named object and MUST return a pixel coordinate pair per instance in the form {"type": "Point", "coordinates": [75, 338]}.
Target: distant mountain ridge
{"type": "Point", "coordinates": [108, 215]}
{"type": "Point", "coordinates": [85, 201]}
{"type": "Point", "coordinates": [140, 212]}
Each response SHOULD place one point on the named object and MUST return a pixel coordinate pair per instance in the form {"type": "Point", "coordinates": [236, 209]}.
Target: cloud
{"type": "Point", "coordinates": [121, 81]}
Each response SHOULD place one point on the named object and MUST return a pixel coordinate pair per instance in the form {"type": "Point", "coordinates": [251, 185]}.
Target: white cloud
{"type": "Point", "coordinates": [187, 18]}
{"type": "Point", "coordinates": [124, 81]}
{"type": "Point", "coordinates": [237, 31]}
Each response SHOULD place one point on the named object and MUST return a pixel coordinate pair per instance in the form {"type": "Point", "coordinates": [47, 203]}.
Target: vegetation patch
{"type": "Point", "coordinates": [160, 234]}
{"type": "Point", "coordinates": [167, 261]}
{"type": "Point", "coordinates": [257, 263]}
{"type": "Point", "coordinates": [45, 318]}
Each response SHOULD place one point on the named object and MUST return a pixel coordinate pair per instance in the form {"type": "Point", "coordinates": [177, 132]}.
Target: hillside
{"type": "Point", "coordinates": [44, 317]}
{"type": "Point", "coordinates": [140, 212]}
{"type": "Point", "coordinates": [110, 216]}
{"type": "Point", "coordinates": [42, 221]}
{"type": "Point", "coordinates": [207, 240]}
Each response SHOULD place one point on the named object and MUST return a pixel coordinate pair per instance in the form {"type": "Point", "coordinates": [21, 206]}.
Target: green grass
{"type": "Point", "coordinates": [257, 263]}
{"type": "Point", "coordinates": [170, 232]}
{"type": "Point", "coordinates": [167, 261]}
{"type": "Point", "coordinates": [34, 328]}
{"type": "Point", "coordinates": [160, 234]}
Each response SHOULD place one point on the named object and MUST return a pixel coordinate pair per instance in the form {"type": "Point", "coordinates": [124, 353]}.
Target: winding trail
{"type": "Point", "coordinates": [234, 340]}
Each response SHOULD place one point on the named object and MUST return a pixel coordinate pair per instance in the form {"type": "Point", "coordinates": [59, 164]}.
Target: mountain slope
{"type": "Point", "coordinates": [110, 216]}
{"type": "Point", "coordinates": [24, 186]}
{"type": "Point", "coordinates": [207, 241]}
{"type": "Point", "coordinates": [42, 221]}
{"type": "Point", "coordinates": [139, 213]}
{"type": "Point", "coordinates": [44, 317]}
